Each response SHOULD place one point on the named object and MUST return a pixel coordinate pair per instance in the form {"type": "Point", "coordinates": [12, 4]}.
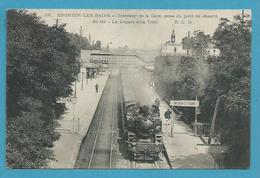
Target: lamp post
{"type": "Point", "coordinates": [75, 87]}
{"type": "Point", "coordinates": [82, 80]}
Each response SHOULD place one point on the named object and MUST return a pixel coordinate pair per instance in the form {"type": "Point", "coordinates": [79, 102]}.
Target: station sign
{"type": "Point", "coordinates": [67, 100]}
{"type": "Point", "coordinates": [185, 103]}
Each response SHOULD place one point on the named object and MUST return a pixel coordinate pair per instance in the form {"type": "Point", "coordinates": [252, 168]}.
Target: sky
{"type": "Point", "coordinates": [138, 29]}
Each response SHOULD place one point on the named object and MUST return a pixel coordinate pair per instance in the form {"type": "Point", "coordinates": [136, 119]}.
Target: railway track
{"type": "Point", "coordinates": [145, 165]}
{"type": "Point", "coordinates": [161, 163]}
{"type": "Point", "coordinates": [124, 161]}
{"type": "Point", "coordinates": [94, 154]}
{"type": "Point", "coordinates": [100, 147]}
{"type": "Point", "coordinates": [97, 147]}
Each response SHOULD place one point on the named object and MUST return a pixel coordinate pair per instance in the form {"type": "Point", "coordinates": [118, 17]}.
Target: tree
{"type": "Point", "coordinates": [200, 45]}
{"type": "Point", "coordinates": [79, 41]}
{"type": "Point", "coordinates": [208, 77]}
{"type": "Point", "coordinates": [185, 77]}
{"type": "Point", "coordinates": [96, 46]}
{"type": "Point", "coordinates": [40, 68]}
{"type": "Point", "coordinates": [231, 78]}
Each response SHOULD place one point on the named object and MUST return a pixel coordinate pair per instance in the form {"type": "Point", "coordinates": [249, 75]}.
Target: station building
{"type": "Point", "coordinates": [94, 61]}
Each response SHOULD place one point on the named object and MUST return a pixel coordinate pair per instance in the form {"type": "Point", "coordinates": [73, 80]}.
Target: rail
{"type": "Point", "coordinates": [167, 157]}
{"type": "Point", "coordinates": [97, 134]}
{"type": "Point", "coordinates": [145, 165]}
{"type": "Point", "coordinates": [101, 103]}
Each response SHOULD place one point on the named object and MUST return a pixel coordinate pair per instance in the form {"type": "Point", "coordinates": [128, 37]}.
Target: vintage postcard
{"type": "Point", "coordinates": [128, 88]}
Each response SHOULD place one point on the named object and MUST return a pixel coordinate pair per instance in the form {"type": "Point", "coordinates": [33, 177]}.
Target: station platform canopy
{"type": "Point", "coordinates": [92, 66]}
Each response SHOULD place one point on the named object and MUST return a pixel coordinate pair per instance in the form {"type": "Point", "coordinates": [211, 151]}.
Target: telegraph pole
{"type": "Point", "coordinates": [196, 119]}
{"type": "Point", "coordinates": [242, 18]}
{"type": "Point", "coordinates": [188, 49]}
{"type": "Point", "coordinates": [57, 23]}
{"type": "Point", "coordinates": [75, 89]}
{"type": "Point", "coordinates": [80, 36]}
{"type": "Point", "coordinates": [82, 78]}
{"type": "Point", "coordinates": [80, 33]}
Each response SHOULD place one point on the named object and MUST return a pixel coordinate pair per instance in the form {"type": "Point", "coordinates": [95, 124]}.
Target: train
{"type": "Point", "coordinates": [141, 125]}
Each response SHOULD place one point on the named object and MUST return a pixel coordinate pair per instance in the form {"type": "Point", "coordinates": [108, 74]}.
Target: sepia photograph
{"type": "Point", "coordinates": [128, 89]}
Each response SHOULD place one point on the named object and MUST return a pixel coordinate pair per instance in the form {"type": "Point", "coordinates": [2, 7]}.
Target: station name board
{"type": "Point", "coordinates": [185, 103]}
{"type": "Point", "coordinates": [67, 100]}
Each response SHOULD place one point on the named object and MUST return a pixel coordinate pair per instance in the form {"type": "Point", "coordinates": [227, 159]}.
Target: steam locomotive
{"type": "Point", "coordinates": [142, 127]}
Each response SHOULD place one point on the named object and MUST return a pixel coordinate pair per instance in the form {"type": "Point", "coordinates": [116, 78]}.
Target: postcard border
{"type": "Point", "coordinates": [254, 170]}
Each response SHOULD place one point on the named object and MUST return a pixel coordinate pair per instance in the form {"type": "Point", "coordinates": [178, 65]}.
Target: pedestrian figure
{"type": "Point", "coordinates": [96, 86]}
{"type": "Point", "coordinates": [167, 114]}
{"type": "Point", "coordinates": [157, 102]}
{"type": "Point", "coordinates": [169, 120]}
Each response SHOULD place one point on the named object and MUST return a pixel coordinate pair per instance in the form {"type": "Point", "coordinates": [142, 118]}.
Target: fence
{"type": "Point", "coordinates": [202, 129]}
{"type": "Point", "coordinates": [70, 125]}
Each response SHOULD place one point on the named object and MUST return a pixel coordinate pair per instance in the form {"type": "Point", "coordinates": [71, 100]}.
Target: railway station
{"type": "Point", "coordinates": [103, 136]}
{"type": "Point", "coordinates": [130, 123]}
{"type": "Point", "coordinates": [88, 93]}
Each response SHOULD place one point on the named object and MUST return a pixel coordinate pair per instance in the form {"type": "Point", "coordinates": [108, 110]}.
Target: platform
{"type": "Point", "coordinates": [183, 147]}
{"type": "Point", "coordinates": [72, 132]}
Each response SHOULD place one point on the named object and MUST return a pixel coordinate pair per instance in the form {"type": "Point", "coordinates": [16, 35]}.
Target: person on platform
{"type": "Point", "coordinates": [155, 110]}
{"type": "Point", "coordinates": [96, 87]}
{"type": "Point", "coordinates": [169, 120]}
{"type": "Point", "coordinates": [157, 102]}
{"type": "Point", "coordinates": [168, 114]}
